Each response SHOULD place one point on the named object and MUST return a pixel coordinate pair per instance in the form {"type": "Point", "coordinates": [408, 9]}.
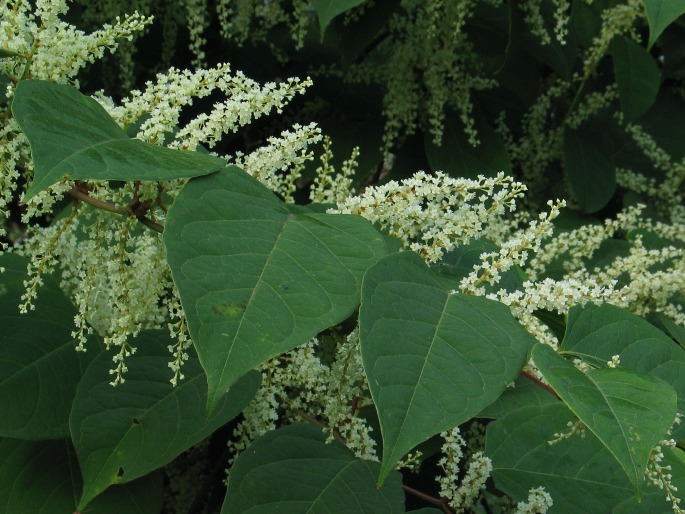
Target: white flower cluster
{"type": "Point", "coordinates": [660, 475]}
{"type": "Point", "coordinates": [575, 427]}
{"type": "Point", "coordinates": [279, 164]}
{"type": "Point", "coordinates": [330, 186]}
{"type": "Point", "coordinates": [461, 492]}
{"type": "Point", "coordinates": [299, 385]}
{"type": "Point", "coordinates": [432, 214]}
{"type": "Point", "coordinates": [538, 502]}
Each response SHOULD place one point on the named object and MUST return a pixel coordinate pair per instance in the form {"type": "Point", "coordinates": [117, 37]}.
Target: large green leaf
{"type": "Point", "coordinates": [589, 169]}
{"type": "Point", "coordinates": [326, 10]}
{"type": "Point", "coordinates": [123, 433]}
{"type": "Point", "coordinates": [433, 359]}
{"type": "Point", "coordinates": [629, 412]}
{"type": "Point", "coordinates": [39, 366]}
{"type": "Point", "coordinates": [597, 333]}
{"type": "Point", "coordinates": [637, 77]}
{"type": "Point", "coordinates": [660, 14]}
{"type": "Point", "coordinates": [293, 470]}
{"type": "Point", "coordinates": [44, 478]}
{"type": "Point", "coordinates": [71, 135]}
{"type": "Point", "coordinates": [579, 473]}
{"type": "Point", "coordinates": [258, 277]}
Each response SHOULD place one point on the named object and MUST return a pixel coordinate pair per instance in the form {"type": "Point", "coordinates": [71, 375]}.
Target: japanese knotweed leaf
{"type": "Point", "coordinates": [589, 168]}
{"type": "Point", "coordinates": [258, 277]}
{"type": "Point", "coordinates": [637, 76]}
{"type": "Point", "coordinates": [326, 10]}
{"type": "Point", "coordinates": [597, 333]}
{"type": "Point", "coordinates": [629, 412]}
{"type": "Point", "coordinates": [433, 359]}
{"type": "Point", "coordinates": [71, 135]}
{"type": "Point", "coordinates": [39, 366]}
{"type": "Point", "coordinates": [579, 473]}
{"type": "Point", "coordinates": [293, 470]}
{"type": "Point", "coordinates": [123, 433]}
{"type": "Point", "coordinates": [660, 14]}
{"type": "Point", "coordinates": [43, 478]}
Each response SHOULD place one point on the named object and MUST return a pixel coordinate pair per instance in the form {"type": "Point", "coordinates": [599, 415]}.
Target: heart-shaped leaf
{"type": "Point", "coordinates": [39, 366]}
{"type": "Point", "coordinates": [433, 359]}
{"type": "Point", "coordinates": [125, 432]}
{"type": "Point", "coordinates": [629, 412]}
{"type": "Point", "coordinates": [579, 473]}
{"type": "Point", "coordinates": [71, 135]}
{"type": "Point", "coordinates": [258, 277]}
{"type": "Point", "coordinates": [294, 470]}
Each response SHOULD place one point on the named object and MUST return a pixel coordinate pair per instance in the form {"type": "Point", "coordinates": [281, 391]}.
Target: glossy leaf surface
{"type": "Point", "coordinates": [293, 470]}
{"type": "Point", "coordinates": [258, 277]}
{"type": "Point", "coordinates": [433, 359]}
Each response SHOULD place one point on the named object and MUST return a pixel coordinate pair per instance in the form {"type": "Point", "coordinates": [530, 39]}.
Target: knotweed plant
{"type": "Point", "coordinates": [351, 329]}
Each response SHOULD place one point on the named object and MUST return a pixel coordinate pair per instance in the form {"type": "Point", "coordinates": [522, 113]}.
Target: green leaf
{"type": "Point", "coordinates": [258, 277]}
{"type": "Point", "coordinates": [637, 77]}
{"type": "Point", "coordinates": [524, 394]}
{"type": "Point", "coordinates": [597, 333]}
{"type": "Point", "coordinates": [433, 359]}
{"type": "Point", "coordinates": [459, 158]}
{"type": "Point", "coordinates": [293, 470]}
{"type": "Point", "coordinates": [654, 500]}
{"type": "Point", "coordinates": [629, 412]}
{"type": "Point", "coordinates": [326, 10]}
{"type": "Point", "coordinates": [39, 366]}
{"type": "Point", "coordinates": [125, 432]}
{"type": "Point", "coordinates": [71, 135]}
{"type": "Point", "coordinates": [580, 474]}
{"type": "Point", "coordinates": [590, 171]}
{"type": "Point", "coordinates": [44, 478]}
{"type": "Point", "coordinates": [660, 14]}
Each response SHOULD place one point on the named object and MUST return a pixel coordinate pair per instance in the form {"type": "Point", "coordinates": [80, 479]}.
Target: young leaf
{"type": "Point", "coordinates": [71, 135]}
{"type": "Point", "coordinates": [43, 478]}
{"type": "Point", "coordinates": [326, 10]}
{"type": "Point", "coordinates": [39, 366]}
{"type": "Point", "coordinates": [637, 77]}
{"type": "Point", "coordinates": [590, 171]}
{"type": "Point", "coordinates": [258, 277]}
{"type": "Point", "coordinates": [629, 412]}
{"type": "Point", "coordinates": [294, 470]}
{"type": "Point", "coordinates": [660, 14]}
{"type": "Point", "coordinates": [579, 473]}
{"type": "Point", "coordinates": [123, 433]}
{"type": "Point", "coordinates": [433, 359]}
